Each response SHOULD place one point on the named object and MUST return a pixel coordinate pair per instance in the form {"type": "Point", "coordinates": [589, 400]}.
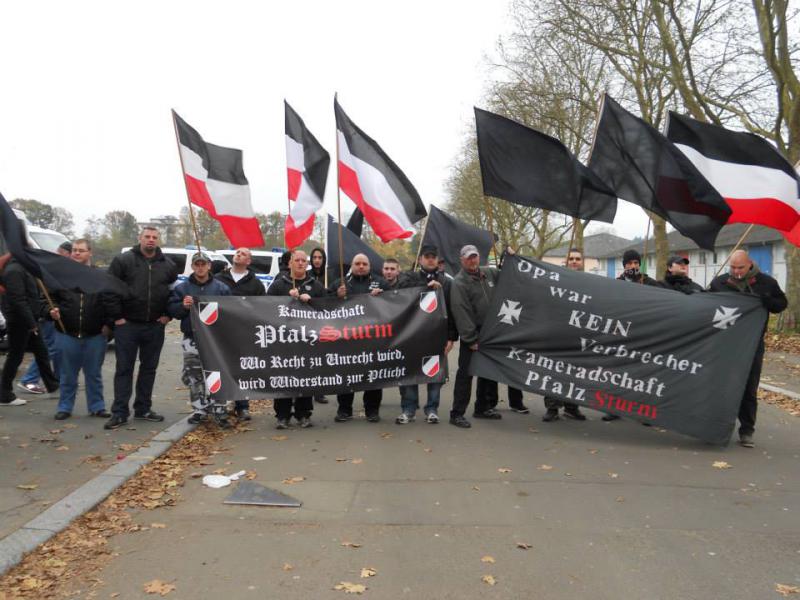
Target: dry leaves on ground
{"type": "Point", "coordinates": [504, 470]}
{"type": "Point", "coordinates": [162, 588]}
{"type": "Point", "coordinates": [293, 480]}
{"type": "Point", "coordinates": [350, 588]}
{"type": "Point", "coordinates": [524, 546]}
{"type": "Point", "coordinates": [721, 464]}
{"type": "Point", "coordinates": [368, 572]}
{"type": "Point", "coordinates": [350, 545]}
{"type": "Point", "coordinates": [287, 567]}
{"type": "Point", "coordinates": [357, 461]}
{"type": "Point", "coordinates": [790, 405]}
{"type": "Point", "coordinates": [545, 467]}
{"type": "Point", "coordinates": [279, 438]}
{"type": "Point", "coordinates": [27, 486]}
{"type": "Point", "coordinates": [489, 579]}
{"type": "Point", "coordinates": [386, 435]}
{"type": "Point", "coordinates": [783, 342]}
{"type": "Point", "coordinates": [785, 590]}
{"type": "Point", "coordinates": [487, 559]}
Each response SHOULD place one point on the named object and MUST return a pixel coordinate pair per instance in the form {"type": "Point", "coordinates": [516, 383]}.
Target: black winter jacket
{"type": "Point", "coordinates": [680, 283]}
{"type": "Point", "coordinates": [762, 285]}
{"type": "Point", "coordinates": [283, 284]}
{"type": "Point", "coordinates": [359, 284]}
{"type": "Point", "coordinates": [21, 303]}
{"type": "Point", "coordinates": [83, 315]}
{"type": "Point", "coordinates": [249, 285]}
{"type": "Point", "coordinates": [148, 281]}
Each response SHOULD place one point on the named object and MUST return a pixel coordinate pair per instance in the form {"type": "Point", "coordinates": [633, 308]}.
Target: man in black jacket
{"type": "Point", "coordinates": [301, 285]}
{"type": "Point", "coordinates": [677, 276]}
{"type": "Point", "coordinates": [429, 277]}
{"type": "Point", "coordinates": [632, 262]}
{"type": "Point", "coordinates": [745, 278]}
{"type": "Point", "coordinates": [242, 281]}
{"type": "Point", "coordinates": [139, 325]}
{"type": "Point", "coordinates": [359, 281]}
{"type": "Point", "coordinates": [86, 320]}
{"type": "Point", "coordinates": [22, 309]}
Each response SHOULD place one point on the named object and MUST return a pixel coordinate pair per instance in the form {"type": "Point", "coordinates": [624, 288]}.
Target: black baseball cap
{"type": "Point", "coordinates": [676, 258]}
{"type": "Point", "coordinates": [429, 249]}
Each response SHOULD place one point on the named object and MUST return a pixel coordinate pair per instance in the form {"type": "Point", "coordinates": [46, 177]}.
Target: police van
{"type": "Point", "coordinates": [182, 257]}
{"type": "Point", "coordinates": [265, 263]}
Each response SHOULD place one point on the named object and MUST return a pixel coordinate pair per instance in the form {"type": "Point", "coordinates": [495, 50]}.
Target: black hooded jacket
{"type": "Point", "coordinates": [680, 283]}
{"type": "Point", "coordinates": [283, 284]}
{"type": "Point", "coordinates": [21, 303]}
{"type": "Point", "coordinates": [148, 280]}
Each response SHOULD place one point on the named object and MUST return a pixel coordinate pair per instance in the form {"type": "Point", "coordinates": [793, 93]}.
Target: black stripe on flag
{"type": "Point", "coordinates": [221, 163]}
{"type": "Point", "coordinates": [722, 144]}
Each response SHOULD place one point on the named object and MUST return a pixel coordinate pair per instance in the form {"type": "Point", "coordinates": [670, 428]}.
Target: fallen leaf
{"type": "Point", "coordinates": [158, 587]}
{"type": "Point", "coordinates": [70, 426]}
{"type": "Point", "coordinates": [287, 567]}
{"type": "Point", "coordinates": [23, 445]}
{"type": "Point", "coordinates": [368, 572]}
{"type": "Point", "coordinates": [785, 590]}
{"type": "Point", "coordinates": [592, 451]}
{"type": "Point", "coordinates": [614, 475]}
{"type": "Point", "coordinates": [620, 499]}
{"type": "Point", "coordinates": [250, 475]}
{"type": "Point", "coordinates": [386, 435]}
{"type": "Point", "coordinates": [28, 486]}
{"type": "Point", "coordinates": [259, 458]}
{"type": "Point", "coordinates": [721, 464]}
{"type": "Point", "coordinates": [487, 559]}
{"type": "Point", "coordinates": [291, 480]}
{"type": "Point", "coordinates": [196, 475]}
{"type": "Point", "coordinates": [350, 588]}
{"type": "Point", "coordinates": [504, 470]}
{"type": "Point", "coordinates": [128, 448]}
{"type": "Point", "coordinates": [357, 461]}
{"type": "Point", "coordinates": [429, 450]}
{"type": "Point", "coordinates": [533, 430]}
{"type": "Point", "coordinates": [279, 438]}
{"type": "Point", "coordinates": [62, 448]}
{"type": "Point", "coordinates": [158, 525]}
{"type": "Point", "coordinates": [545, 468]}
{"type": "Point", "coordinates": [489, 579]}
{"type": "Point", "coordinates": [351, 545]}
{"type": "Point", "coordinates": [340, 459]}
{"type": "Point", "coordinates": [524, 546]}
{"type": "Point", "coordinates": [56, 431]}
{"type": "Point", "coordinates": [476, 488]}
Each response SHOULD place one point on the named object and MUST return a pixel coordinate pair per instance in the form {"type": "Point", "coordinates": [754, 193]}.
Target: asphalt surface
{"type": "Point", "coordinates": [57, 457]}
{"type": "Point", "coordinates": [609, 510]}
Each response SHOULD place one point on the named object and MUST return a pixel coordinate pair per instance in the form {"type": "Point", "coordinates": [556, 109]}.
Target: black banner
{"type": "Point", "coordinates": [253, 347]}
{"type": "Point", "coordinates": [637, 351]}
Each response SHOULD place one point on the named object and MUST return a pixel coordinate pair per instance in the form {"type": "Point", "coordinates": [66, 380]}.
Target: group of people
{"type": "Point", "coordinates": [76, 326]}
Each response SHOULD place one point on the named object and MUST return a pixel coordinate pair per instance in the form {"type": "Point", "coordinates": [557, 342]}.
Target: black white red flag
{"type": "Point", "coordinates": [756, 181]}
{"type": "Point", "coordinates": [307, 165]}
{"type": "Point", "coordinates": [215, 182]}
{"type": "Point", "coordinates": [390, 203]}
{"type": "Point", "coordinates": [643, 167]}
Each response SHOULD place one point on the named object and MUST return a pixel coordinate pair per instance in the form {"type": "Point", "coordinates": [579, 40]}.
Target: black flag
{"type": "Point", "coordinates": [56, 272]}
{"type": "Point", "coordinates": [352, 245]}
{"type": "Point", "coordinates": [645, 168]}
{"type": "Point", "coordinates": [449, 235]}
{"type": "Point", "coordinates": [356, 222]}
{"type": "Point", "coordinates": [527, 167]}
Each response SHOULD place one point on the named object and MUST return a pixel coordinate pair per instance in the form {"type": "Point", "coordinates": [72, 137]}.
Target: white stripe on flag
{"type": "Point", "coordinates": [306, 203]}
{"type": "Point", "coordinates": [193, 163]}
{"type": "Point", "coordinates": [294, 155]}
{"type": "Point", "coordinates": [741, 182]}
{"type": "Point", "coordinates": [374, 187]}
{"type": "Point", "coordinates": [230, 199]}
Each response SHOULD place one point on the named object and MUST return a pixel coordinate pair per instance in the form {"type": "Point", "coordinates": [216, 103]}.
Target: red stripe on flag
{"type": "Point", "coordinates": [297, 234]}
{"type": "Point", "coordinates": [763, 211]}
{"type": "Point", "coordinates": [384, 226]}
{"type": "Point", "coordinates": [240, 231]}
{"type": "Point", "coordinates": [295, 179]}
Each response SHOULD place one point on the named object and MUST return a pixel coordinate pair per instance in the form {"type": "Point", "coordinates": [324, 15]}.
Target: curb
{"type": "Point", "coordinates": [777, 390]}
{"type": "Point", "coordinates": [58, 516]}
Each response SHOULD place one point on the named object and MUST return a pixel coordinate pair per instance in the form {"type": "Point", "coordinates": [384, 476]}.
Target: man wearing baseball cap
{"type": "Point", "coordinates": [677, 276]}
{"type": "Point", "coordinates": [200, 283]}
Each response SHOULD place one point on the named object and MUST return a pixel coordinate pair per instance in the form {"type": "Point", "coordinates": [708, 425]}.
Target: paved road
{"type": "Point", "coordinates": [624, 512]}
{"type": "Point", "coordinates": [58, 463]}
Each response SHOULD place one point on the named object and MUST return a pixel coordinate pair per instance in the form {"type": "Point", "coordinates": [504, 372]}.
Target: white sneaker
{"type": "Point", "coordinates": [432, 418]}
{"type": "Point", "coordinates": [14, 402]}
{"type": "Point", "coordinates": [404, 419]}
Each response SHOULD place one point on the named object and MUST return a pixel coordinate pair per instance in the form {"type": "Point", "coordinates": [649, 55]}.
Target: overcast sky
{"type": "Point", "coordinates": [88, 86]}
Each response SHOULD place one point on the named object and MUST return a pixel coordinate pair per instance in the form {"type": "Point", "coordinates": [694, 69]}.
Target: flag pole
{"type": "Point", "coordinates": [325, 247]}
{"type": "Point", "coordinates": [646, 235]}
{"type": "Point", "coordinates": [185, 184]}
{"type": "Point", "coordinates": [50, 304]}
{"type": "Point", "coordinates": [421, 239]}
{"type": "Point", "coordinates": [490, 212]}
{"type": "Point", "coordinates": [735, 248]}
{"type": "Point", "coordinates": [339, 212]}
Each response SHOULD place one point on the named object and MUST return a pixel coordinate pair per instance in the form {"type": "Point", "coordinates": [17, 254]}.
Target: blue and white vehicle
{"type": "Point", "coordinates": [265, 263]}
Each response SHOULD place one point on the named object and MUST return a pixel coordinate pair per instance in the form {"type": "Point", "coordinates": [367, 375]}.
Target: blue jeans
{"type": "Point", "coordinates": [76, 354]}
{"type": "Point", "coordinates": [48, 332]}
{"type": "Point", "coordinates": [409, 398]}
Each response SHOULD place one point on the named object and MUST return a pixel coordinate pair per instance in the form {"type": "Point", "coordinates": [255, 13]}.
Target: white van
{"type": "Point", "coordinates": [265, 263]}
{"type": "Point", "coordinates": [39, 237]}
{"type": "Point", "coordinates": [182, 259]}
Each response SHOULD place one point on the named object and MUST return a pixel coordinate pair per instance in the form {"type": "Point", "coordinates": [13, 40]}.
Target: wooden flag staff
{"type": "Point", "coordinates": [735, 248]}
{"type": "Point", "coordinates": [421, 239]}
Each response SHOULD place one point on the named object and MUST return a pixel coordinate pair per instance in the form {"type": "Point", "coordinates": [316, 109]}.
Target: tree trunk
{"type": "Point", "coordinates": [662, 246]}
